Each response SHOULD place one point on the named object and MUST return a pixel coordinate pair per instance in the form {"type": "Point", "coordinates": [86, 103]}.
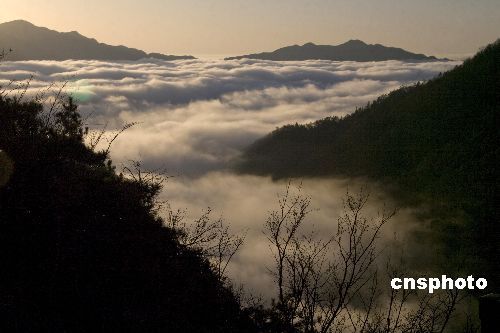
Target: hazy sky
{"type": "Point", "coordinates": [440, 27]}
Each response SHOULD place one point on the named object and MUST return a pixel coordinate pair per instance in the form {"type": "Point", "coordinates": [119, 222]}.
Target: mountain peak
{"type": "Point", "coordinates": [355, 42]}
{"type": "Point", "coordinates": [31, 42]}
{"type": "Point", "coordinates": [75, 33]}
{"type": "Point", "coordinates": [18, 23]}
{"type": "Point", "coordinates": [352, 50]}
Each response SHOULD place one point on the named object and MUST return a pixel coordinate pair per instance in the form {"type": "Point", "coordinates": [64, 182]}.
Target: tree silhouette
{"type": "Point", "coordinates": [333, 283]}
{"type": "Point", "coordinates": [82, 248]}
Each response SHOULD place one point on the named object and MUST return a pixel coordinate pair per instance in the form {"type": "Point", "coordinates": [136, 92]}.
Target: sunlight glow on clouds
{"type": "Point", "coordinates": [194, 116]}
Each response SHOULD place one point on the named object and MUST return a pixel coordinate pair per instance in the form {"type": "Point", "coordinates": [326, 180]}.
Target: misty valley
{"type": "Point", "coordinates": [274, 192]}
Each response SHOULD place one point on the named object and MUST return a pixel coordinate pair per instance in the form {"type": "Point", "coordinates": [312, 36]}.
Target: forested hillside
{"type": "Point", "coordinates": [82, 248]}
{"type": "Point", "coordinates": [437, 141]}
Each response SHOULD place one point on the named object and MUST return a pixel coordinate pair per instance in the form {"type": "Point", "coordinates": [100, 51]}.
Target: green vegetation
{"type": "Point", "coordinates": [436, 141]}
{"type": "Point", "coordinates": [82, 248]}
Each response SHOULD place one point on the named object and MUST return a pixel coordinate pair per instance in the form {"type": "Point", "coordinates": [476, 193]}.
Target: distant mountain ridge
{"type": "Point", "coordinates": [434, 143]}
{"type": "Point", "coordinates": [353, 50]}
{"type": "Point", "coordinates": [30, 42]}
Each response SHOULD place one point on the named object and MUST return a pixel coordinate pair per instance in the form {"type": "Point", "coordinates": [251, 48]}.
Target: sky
{"type": "Point", "coordinates": [232, 27]}
{"type": "Point", "coordinates": [193, 117]}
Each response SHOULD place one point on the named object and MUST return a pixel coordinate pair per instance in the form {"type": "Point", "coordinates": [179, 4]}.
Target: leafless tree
{"type": "Point", "coordinates": [211, 236]}
{"type": "Point", "coordinates": [331, 283]}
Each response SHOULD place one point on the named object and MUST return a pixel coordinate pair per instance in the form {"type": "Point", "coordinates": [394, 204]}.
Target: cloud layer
{"type": "Point", "coordinates": [194, 116]}
{"type": "Point", "coordinates": [245, 202]}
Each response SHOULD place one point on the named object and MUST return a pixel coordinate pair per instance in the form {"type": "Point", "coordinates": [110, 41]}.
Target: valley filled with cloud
{"type": "Point", "coordinates": [193, 117]}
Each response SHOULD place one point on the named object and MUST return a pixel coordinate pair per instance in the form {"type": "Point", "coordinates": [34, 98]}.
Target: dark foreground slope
{"type": "Point", "coordinates": [29, 42]}
{"type": "Point", "coordinates": [81, 248]}
{"type": "Point", "coordinates": [437, 141]}
{"type": "Point", "coordinates": [353, 50]}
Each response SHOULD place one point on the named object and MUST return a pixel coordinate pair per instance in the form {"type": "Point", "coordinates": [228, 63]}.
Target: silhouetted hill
{"type": "Point", "coordinates": [437, 141]}
{"type": "Point", "coordinates": [83, 249]}
{"type": "Point", "coordinates": [353, 50]}
{"type": "Point", "coordinates": [29, 42]}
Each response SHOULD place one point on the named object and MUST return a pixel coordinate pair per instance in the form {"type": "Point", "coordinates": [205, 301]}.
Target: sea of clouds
{"type": "Point", "coordinates": [193, 118]}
